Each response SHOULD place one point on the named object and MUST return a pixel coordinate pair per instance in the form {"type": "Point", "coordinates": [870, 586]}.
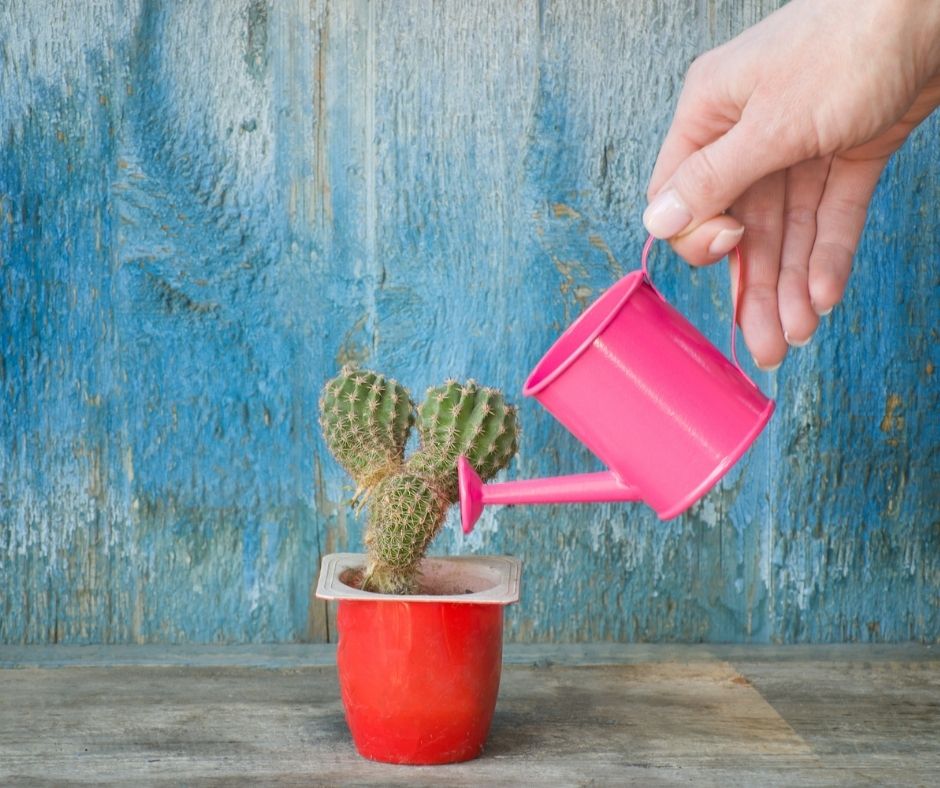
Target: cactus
{"type": "Point", "coordinates": [457, 419]}
{"type": "Point", "coordinates": [405, 514]}
{"type": "Point", "coordinates": [366, 419]}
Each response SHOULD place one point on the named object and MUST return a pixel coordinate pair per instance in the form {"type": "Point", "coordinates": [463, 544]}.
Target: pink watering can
{"type": "Point", "coordinates": [659, 404]}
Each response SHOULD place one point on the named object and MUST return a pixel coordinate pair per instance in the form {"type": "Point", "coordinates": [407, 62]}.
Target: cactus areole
{"type": "Point", "coordinates": [366, 420]}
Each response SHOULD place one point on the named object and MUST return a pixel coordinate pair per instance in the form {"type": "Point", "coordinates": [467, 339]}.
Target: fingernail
{"type": "Point", "coordinates": [823, 313]}
{"type": "Point", "coordinates": [767, 369]}
{"type": "Point", "coordinates": [796, 343]}
{"type": "Point", "coordinates": [725, 241]}
{"type": "Point", "coordinates": [666, 215]}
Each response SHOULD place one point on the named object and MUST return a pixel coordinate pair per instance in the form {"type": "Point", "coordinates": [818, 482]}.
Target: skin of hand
{"type": "Point", "coordinates": [779, 137]}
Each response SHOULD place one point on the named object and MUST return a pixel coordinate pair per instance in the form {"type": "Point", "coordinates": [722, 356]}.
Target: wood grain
{"type": "Point", "coordinates": [206, 208]}
{"type": "Point", "coordinates": [650, 715]}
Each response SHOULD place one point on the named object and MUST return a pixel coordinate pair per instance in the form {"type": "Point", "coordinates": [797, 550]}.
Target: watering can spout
{"type": "Point", "coordinates": [577, 488]}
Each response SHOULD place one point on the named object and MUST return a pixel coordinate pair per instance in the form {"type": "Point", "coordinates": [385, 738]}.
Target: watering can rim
{"type": "Point", "coordinates": [538, 380]}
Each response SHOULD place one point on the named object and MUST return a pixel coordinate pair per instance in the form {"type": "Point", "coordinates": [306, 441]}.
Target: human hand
{"type": "Point", "coordinates": [780, 136]}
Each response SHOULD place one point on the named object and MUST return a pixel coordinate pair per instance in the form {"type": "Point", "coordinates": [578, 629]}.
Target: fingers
{"type": "Point", "coordinates": [682, 140]}
{"type": "Point", "coordinates": [840, 221]}
{"type": "Point", "coordinates": [803, 226]}
{"type": "Point", "coordinates": [711, 178]}
{"type": "Point", "coordinates": [702, 115]}
{"type": "Point", "coordinates": [805, 184]}
{"type": "Point", "coordinates": [710, 241]}
{"type": "Point", "coordinates": [760, 210]}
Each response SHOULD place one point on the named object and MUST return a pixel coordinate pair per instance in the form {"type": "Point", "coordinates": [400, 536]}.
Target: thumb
{"type": "Point", "coordinates": [709, 180]}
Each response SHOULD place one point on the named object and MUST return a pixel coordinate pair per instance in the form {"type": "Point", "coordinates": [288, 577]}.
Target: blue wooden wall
{"type": "Point", "coordinates": [206, 208]}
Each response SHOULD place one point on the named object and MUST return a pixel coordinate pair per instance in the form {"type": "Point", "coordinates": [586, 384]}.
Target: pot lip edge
{"type": "Point", "coordinates": [505, 592]}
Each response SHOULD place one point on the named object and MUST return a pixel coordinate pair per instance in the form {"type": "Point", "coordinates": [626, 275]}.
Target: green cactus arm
{"type": "Point", "coordinates": [405, 514]}
{"type": "Point", "coordinates": [464, 419]}
{"type": "Point", "coordinates": [366, 419]}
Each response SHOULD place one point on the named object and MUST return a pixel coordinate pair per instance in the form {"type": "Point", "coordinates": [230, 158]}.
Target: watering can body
{"type": "Point", "coordinates": [653, 399]}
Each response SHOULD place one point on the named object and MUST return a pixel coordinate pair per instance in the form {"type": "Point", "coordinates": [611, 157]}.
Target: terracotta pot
{"type": "Point", "coordinates": [419, 674]}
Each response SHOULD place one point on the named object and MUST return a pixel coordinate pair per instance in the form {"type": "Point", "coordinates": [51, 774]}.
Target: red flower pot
{"type": "Point", "coordinates": [419, 674]}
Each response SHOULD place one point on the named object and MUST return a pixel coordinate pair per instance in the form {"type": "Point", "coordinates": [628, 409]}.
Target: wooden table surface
{"type": "Point", "coordinates": [601, 714]}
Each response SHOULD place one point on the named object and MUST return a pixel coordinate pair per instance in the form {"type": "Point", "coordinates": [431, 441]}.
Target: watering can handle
{"type": "Point", "coordinates": [737, 296]}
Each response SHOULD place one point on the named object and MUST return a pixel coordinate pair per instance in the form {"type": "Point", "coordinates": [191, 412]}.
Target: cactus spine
{"type": "Point", "coordinates": [366, 419]}
{"type": "Point", "coordinates": [457, 419]}
{"type": "Point", "coordinates": [405, 514]}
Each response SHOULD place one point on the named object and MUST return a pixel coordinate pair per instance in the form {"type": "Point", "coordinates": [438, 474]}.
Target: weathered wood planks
{"type": "Point", "coordinates": [647, 715]}
{"type": "Point", "coordinates": [205, 209]}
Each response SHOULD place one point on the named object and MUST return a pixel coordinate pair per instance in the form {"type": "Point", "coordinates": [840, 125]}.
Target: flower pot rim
{"type": "Point", "coordinates": [499, 576]}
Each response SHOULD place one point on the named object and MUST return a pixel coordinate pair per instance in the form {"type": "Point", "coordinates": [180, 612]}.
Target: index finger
{"type": "Point", "coordinates": [702, 116]}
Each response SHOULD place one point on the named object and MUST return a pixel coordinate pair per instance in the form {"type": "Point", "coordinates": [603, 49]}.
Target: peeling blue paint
{"type": "Point", "coordinates": [204, 210]}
